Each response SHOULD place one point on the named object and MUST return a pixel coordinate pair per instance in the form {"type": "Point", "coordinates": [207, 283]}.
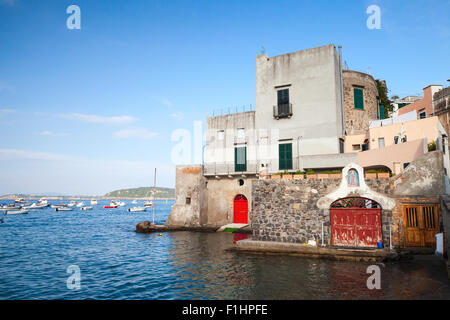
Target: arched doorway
{"type": "Point", "coordinates": [240, 209]}
{"type": "Point", "coordinates": [355, 222]}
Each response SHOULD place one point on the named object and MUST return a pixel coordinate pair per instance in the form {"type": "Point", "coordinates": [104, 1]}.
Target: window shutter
{"type": "Point", "coordinates": [285, 156]}
{"type": "Point", "coordinates": [358, 98]}
{"type": "Point", "coordinates": [240, 159]}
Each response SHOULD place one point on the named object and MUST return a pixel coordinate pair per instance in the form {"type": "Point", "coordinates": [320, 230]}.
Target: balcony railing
{"type": "Point", "coordinates": [282, 111]}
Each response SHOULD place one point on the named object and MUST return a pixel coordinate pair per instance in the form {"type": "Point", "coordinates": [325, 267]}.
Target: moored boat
{"type": "Point", "coordinates": [63, 209]}
{"type": "Point", "coordinates": [59, 206]}
{"type": "Point", "coordinates": [137, 209]}
{"type": "Point", "coordinates": [34, 206]}
{"type": "Point", "coordinates": [110, 207]}
{"type": "Point", "coordinates": [72, 204]}
{"type": "Point", "coordinates": [94, 202]}
{"type": "Point", "coordinates": [22, 211]}
{"type": "Point", "coordinates": [80, 204]}
{"type": "Point", "coordinates": [86, 208]}
{"type": "Point", "coordinates": [148, 204]}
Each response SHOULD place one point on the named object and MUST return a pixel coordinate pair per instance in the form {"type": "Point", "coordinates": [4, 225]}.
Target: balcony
{"type": "Point", "coordinates": [282, 111]}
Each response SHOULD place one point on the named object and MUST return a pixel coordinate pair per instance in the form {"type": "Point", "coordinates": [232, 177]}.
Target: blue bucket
{"type": "Point", "coordinates": [380, 245]}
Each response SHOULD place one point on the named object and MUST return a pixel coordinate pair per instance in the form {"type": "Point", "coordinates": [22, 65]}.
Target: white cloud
{"type": "Point", "coordinates": [6, 111]}
{"type": "Point", "coordinates": [138, 133]}
{"type": "Point", "coordinates": [178, 116]}
{"type": "Point", "coordinates": [15, 154]}
{"type": "Point", "coordinates": [92, 118]}
{"type": "Point", "coordinates": [51, 133]}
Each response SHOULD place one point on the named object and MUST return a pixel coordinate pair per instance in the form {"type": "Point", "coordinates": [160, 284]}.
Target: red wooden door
{"type": "Point", "coordinates": [240, 209]}
{"type": "Point", "coordinates": [355, 222]}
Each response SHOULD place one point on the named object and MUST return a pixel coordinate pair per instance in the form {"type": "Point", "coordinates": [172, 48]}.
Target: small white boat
{"type": "Point", "coordinates": [86, 208]}
{"type": "Point", "coordinates": [121, 204]}
{"type": "Point", "coordinates": [58, 206]}
{"type": "Point", "coordinates": [134, 202]}
{"type": "Point", "coordinates": [80, 204]}
{"type": "Point", "coordinates": [72, 204]}
{"type": "Point", "coordinates": [94, 202]}
{"type": "Point", "coordinates": [34, 206]}
{"type": "Point", "coordinates": [148, 204]}
{"type": "Point", "coordinates": [137, 209]}
{"type": "Point", "coordinates": [19, 200]}
{"type": "Point", "coordinates": [43, 202]}
{"type": "Point", "coordinates": [9, 208]}
{"type": "Point", "coordinates": [63, 209]}
{"type": "Point", "coordinates": [17, 211]}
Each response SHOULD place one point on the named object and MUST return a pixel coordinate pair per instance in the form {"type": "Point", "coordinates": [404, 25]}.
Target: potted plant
{"type": "Point", "coordinates": [287, 176]}
{"type": "Point", "coordinates": [276, 176]}
{"type": "Point", "coordinates": [335, 174]}
{"type": "Point", "coordinates": [322, 175]}
{"type": "Point", "coordinates": [299, 175]}
{"type": "Point", "coordinates": [371, 174]}
{"type": "Point", "coordinates": [310, 174]}
{"type": "Point", "coordinates": [383, 175]}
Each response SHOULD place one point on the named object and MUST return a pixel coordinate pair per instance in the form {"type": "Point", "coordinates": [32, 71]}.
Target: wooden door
{"type": "Point", "coordinates": [240, 209]}
{"type": "Point", "coordinates": [421, 225]}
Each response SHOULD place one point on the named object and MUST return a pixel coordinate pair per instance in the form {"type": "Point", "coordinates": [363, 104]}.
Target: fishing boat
{"type": "Point", "coordinates": [54, 206]}
{"type": "Point", "coordinates": [8, 208]}
{"type": "Point", "coordinates": [72, 204]}
{"type": "Point", "coordinates": [22, 211]}
{"type": "Point", "coordinates": [86, 208]}
{"type": "Point", "coordinates": [80, 204]}
{"type": "Point", "coordinates": [34, 206]}
{"type": "Point", "coordinates": [93, 202]}
{"type": "Point", "coordinates": [64, 209]}
{"type": "Point", "coordinates": [148, 204]}
{"type": "Point", "coordinates": [43, 202]}
{"type": "Point", "coordinates": [137, 209]}
{"type": "Point", "coordinates": [20, 200]}
{"type": "Point", "coordinates": [112, 205]}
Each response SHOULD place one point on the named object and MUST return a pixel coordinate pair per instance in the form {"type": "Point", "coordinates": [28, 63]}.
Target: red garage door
{"type": "Point", "coordinates": [240, 209]}
{"type": "Point", "coordinates": [355, 222]}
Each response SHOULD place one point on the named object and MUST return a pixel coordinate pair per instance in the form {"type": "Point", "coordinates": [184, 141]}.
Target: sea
{"type": "Point", "coordinates": [97, 254]}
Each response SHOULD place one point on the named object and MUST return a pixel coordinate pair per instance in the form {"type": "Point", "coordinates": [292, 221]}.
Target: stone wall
{"type": "Point", "coordinates": [287, 211]}
{"type": "Point", "coordinates": [357, 121]}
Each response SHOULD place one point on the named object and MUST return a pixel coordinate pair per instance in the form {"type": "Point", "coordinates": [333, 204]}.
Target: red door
{"type": "Point", "coordinates": [240, 209]}
{"type": "Point", "coordinates": [355, 222]}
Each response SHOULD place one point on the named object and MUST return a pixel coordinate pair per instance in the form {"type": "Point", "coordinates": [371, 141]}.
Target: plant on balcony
{"type": "Point", "coordinates": [432, 146]}
{"type": "Point", "coordinates": [298, 175]}
{"type": "Point", "coordinates": [311, 174]}
{"type": "Point", "coordinates": [287, 175]}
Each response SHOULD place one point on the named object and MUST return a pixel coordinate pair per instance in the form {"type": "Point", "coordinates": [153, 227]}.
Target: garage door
{"type": "Point", "coordinates": [355, 222]}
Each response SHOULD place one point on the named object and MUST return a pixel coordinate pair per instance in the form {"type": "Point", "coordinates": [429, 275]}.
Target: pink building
{"type": "Point", "coordinates": [424, 106]}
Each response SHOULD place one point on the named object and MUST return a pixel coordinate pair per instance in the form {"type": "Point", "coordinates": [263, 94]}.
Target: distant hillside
{"type": "Point", "coordinates": [144, 192]}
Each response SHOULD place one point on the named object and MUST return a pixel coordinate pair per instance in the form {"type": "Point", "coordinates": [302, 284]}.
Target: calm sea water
{"type": "Point", "coordinates": [116, 263]}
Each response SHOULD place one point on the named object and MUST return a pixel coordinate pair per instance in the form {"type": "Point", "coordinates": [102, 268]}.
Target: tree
{"type": "Point", "coordinates": [384, 100]}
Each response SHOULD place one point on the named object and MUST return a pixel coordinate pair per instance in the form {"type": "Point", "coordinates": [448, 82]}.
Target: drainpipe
{"type": "Point", "coordinates": [298, 152]}
{"type": "Point", "coordinates": [342, 90]}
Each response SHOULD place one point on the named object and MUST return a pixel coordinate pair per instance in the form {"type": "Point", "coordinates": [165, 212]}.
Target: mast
{"type": "Point", "coordinates": [154, 203]}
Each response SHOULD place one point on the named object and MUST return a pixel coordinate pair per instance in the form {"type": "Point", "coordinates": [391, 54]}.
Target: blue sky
{"type": "Point", "coordinates": [92, 110]}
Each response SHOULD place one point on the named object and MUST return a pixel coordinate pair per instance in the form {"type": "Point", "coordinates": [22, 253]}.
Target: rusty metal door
{"type": "Point", "coordinates": [421, 225]}
{"type": "Point", "coordinates": [355, 222]}
{"type": "Point", "coordinates": [240, 209]}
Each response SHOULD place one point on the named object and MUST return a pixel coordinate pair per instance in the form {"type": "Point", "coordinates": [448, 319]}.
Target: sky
{"type": "Point", "coordinates": [90, 110]}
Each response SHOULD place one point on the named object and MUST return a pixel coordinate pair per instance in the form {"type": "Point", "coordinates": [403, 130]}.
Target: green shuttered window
{"type": "Point", "coordinates": [359, 98]}
{"type": "Point", "coordinates": [240, 159]}
{"type": "Point", "coordinates": [285, 156]}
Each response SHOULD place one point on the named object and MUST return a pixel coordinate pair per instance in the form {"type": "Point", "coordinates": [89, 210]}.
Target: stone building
{"type": "Point", "coordinates": [361, 101]}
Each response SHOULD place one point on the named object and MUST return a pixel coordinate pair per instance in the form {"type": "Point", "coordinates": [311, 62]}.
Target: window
{"type": "Point", "coordinates": [240, 159]}
{"type": "Point", "coordinates": [283, 105]}
{"type": "Point", "coordinates": [396, 140]}
{"type": "Point", "coordinates": [188, 200]}
{"type": "Point", "coordinates": [358, 98]}
{"type": "Point", "coordinates": [356, 147]}
{"type": "Point", "coordinates": [220, 135]}
{"type": "Point", "coordinates": [422, 114]}
{"type": "Point", "coordinates": [285, 156]}
{"type": "Point", "coordinates": [241, 133]}
{"type": "Point", "coordinates": [405, 165]}
{"type": "Point", "coordinates": [404, 139]}
{"type": "Point", "coordinates": [241, 182]}
{"type": "Point", "coordinates": [380, 142]}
